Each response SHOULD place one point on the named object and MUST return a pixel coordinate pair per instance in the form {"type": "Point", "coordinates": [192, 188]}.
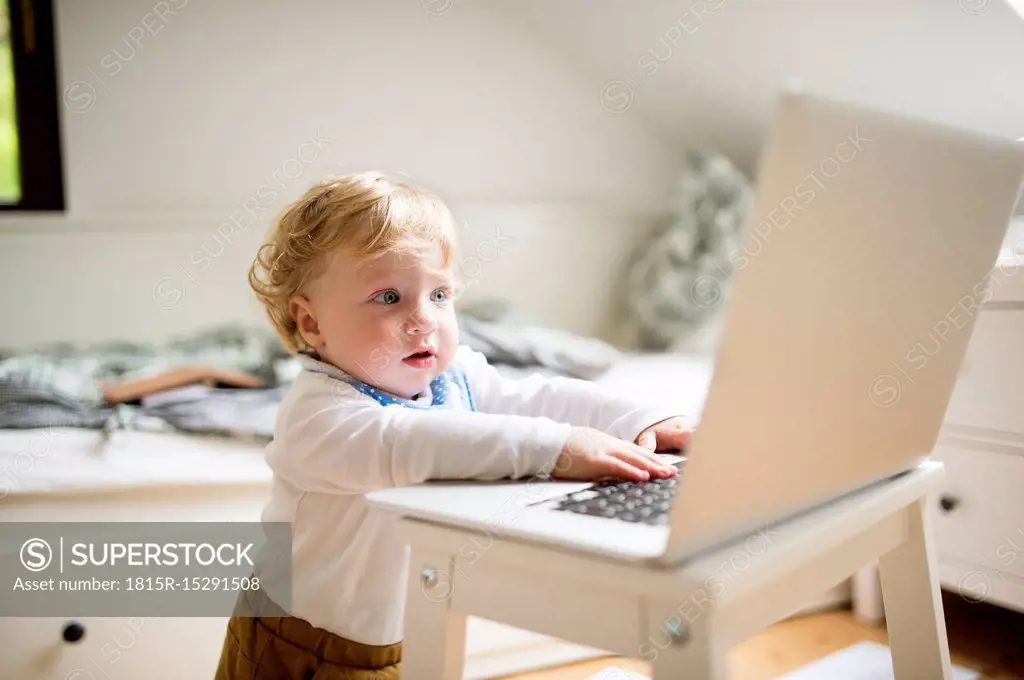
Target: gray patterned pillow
{"type": "Point", "coordinates": [677, 280]}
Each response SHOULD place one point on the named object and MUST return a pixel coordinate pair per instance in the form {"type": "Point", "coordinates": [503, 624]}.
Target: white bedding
{"type": "Point", "coordinates": [674, 379]}
{"type": "Point", "coordinates": [69, 459]}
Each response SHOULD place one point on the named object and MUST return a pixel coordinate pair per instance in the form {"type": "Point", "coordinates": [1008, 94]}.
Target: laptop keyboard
{"type": "Point", "coordinates": [638, 502]}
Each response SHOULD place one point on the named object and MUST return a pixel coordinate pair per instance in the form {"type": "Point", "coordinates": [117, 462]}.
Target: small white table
{"type": "Point", "coordinates": [682, 620]}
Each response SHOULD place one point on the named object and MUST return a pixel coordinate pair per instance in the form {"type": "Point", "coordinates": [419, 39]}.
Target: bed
{"type": "Point", "coordinates": [64, 473]}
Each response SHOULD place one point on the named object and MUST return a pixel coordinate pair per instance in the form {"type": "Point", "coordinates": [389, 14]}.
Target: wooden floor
{"type": "Point", "coordinates": [983, 637]}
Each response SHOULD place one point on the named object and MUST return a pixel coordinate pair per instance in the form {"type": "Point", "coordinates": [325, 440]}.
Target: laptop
{"type": "Point", "coordinates": [849, 305]}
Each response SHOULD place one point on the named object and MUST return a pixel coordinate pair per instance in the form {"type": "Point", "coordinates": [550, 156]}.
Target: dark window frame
{"type": "Point", "coordinates": [34, 57]}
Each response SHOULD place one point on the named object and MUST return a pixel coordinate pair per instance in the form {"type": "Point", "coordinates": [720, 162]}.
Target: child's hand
{"type": "Point", "coordinates": [590, 455]}
{"type": "Point", "coordinates": [668, 435]}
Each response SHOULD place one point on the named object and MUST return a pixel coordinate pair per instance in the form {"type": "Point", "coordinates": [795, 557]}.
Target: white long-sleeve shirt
{"type": "Point", "coordinates": [334, 443]}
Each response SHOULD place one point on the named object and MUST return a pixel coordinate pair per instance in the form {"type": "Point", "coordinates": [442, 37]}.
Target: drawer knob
{"type": "Point", "coordinates": [73, 632]}
{"type": "Point", "coordinates": [949, 502]}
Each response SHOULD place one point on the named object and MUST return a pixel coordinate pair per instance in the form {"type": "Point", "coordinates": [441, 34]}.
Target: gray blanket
{"type": "Point", "coordinates": [58, 385]}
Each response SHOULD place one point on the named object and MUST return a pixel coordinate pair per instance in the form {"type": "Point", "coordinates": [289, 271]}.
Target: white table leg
{"type": "Point", "coordinates": [913, 603]}
{"type": "Point", "coordinates": [435, 636]}
{"type": "Point", "coordinates": [678, 648]}
{"type": "Point", "coordinates": [867, 595]}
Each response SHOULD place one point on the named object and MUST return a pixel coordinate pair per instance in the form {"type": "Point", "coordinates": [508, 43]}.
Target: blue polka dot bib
{"type": "Point", "coordinates": [449, 390]}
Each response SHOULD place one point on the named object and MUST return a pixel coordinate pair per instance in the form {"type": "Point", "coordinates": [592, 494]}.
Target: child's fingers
{"type": "Point", "coordinates": [656, 463]}
{"type": "Point", "coordinates": [674, 439]}
{"type": "Point", "coordinates": [645, 460]}
{"type": "Point", "coordinates": [623, 469]}
{"type": "Point", "coordinates": [648, 440]}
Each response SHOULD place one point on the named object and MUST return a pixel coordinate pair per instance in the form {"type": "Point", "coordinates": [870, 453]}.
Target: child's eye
{"type": "Point", "coordinates": [440, 295]}
{"type": "Point", "coordinates": [388, 297]}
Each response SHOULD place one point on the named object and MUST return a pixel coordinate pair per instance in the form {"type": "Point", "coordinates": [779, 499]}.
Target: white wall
{"type": "Point", "coordinates": [501, 106]}
{"type": "Point", "coordinates": [705, 72]}
{"type": "Point", "coordinates": [175, 122]}
{"type": "Point", "coordinates": [149, 278]}
{"type": "Point", "coordinates": [225, 92]}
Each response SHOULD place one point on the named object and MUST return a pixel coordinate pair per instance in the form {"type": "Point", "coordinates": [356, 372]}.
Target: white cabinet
{"type": "Point", "coordinates": [978, 519]}
{"type": "Point", "coordinates": [989, 393]}
{"type": "Point", "coordinates": [95, 648]}
{"type": "Point", "coordinates": [110, 648]}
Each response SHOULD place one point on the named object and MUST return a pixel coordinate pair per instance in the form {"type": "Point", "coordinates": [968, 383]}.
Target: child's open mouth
{"type": "Point", "coordinates": [424, 359]}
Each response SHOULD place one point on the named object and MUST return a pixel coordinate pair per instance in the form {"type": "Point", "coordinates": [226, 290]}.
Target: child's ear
{"type": "Point", "coordinates": [304, 314]}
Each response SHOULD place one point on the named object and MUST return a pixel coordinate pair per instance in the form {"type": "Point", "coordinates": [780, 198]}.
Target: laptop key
{"type": "Point", "coordinates": [648, 502]}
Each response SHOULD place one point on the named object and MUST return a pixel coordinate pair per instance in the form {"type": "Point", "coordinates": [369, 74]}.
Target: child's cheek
{"type": "Point", "coordinates": [381, 340]}
{"type": "Point", "coordinates": [450, 342]}
{"type": "Point", "coordinates": [380, 360]}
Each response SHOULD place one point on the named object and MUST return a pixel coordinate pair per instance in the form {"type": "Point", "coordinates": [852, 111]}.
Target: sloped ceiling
{"type": "Point", "coordinates": [703, 73]}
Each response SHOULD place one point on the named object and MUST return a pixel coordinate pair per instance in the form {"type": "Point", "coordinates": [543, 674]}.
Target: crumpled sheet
{"type": "Point", "coordinates": [57, 385]}
{"type": "Point", "coordinates": [531, 349]}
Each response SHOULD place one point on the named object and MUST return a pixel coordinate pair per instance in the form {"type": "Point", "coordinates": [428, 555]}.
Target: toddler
{"type": "Point", "coordinates": [358, 278]}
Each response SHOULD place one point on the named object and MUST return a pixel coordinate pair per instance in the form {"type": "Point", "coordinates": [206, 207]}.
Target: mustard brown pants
{"type": "Point", "coordinates": [289, 648]}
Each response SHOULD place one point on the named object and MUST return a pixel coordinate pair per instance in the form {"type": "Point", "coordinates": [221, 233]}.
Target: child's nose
{"type": "Point", "coordinates": [421, 320]}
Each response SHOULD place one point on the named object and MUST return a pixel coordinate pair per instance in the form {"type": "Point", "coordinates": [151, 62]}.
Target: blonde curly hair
{"type": "Point", "coordinates": [363, 215]}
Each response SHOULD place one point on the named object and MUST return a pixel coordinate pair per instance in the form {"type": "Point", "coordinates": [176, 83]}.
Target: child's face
{"type": "Point", "coordinates": [389, 322]}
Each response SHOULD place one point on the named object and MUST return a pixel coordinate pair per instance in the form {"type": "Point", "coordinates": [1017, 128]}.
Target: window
{"type": "Point", "coordinates": [30, 160]}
